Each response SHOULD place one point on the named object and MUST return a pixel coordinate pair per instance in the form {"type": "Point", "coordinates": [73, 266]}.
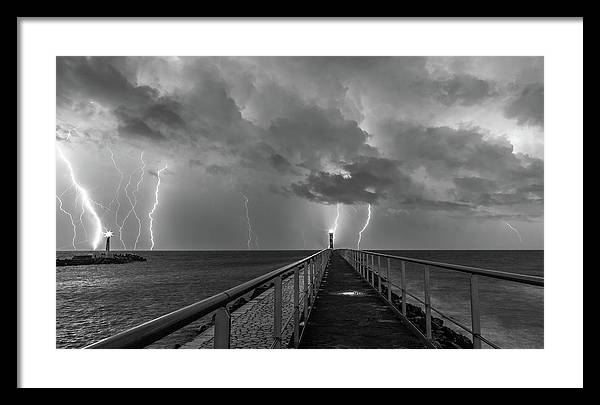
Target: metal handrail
{"type": "Point", "coordinates": [360, 262]}
{"type": "Point", "coordinates": [447, 317]}
{"type": "Point", "coordinates": [502, 275]}
{"type": "Point", "coordinates": [142, 335]}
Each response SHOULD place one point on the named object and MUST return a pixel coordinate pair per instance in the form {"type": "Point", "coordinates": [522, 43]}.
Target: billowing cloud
{"type": "Point", "coordinates": [417, 137]}
{"type": "Point", "coordinates": [528, 106]}
{"type": "Point", "coordinates": [363, 181]}
{"type": "Point", "coordinates": [464, 89]}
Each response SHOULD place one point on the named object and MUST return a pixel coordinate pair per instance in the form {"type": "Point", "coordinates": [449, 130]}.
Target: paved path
{"type": "Point", "coordinates": [348, 314]}
{"type": "Point", "coordinates": [252, 324]}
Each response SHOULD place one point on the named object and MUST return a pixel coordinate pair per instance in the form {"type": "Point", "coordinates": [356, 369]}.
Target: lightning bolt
{"type": "Point", "coordinates": [133, 200]}
{"type": "Point", "coordinates": [86, 201]}
{"type": "Point", "coordinates": [81, 219]}
{"type": "Point", "coordinates": [128, 213]}
{"type": "Point", "coordinates": [337, 217]}
{"type": "Point", "coordinates": [250, 231]}
{"type": "Point", "coordinates": [515, 231]}
{"type": "Point", "coordinates": [154, 207]}
{"type": "Point", "coordinates": [60, 206]}
{"type": "Point", "coordinates": [364, 227]}
{"type": "Point", "coordinates": [116, 196]}
{"type": "Point", "coordinates": [137, 188]}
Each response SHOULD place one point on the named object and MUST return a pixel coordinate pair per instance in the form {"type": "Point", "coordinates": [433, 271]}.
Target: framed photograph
{"type": "Point", "coordinates": [294, 185]}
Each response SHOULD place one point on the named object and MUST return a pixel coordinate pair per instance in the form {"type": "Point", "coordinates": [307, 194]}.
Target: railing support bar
{"type": "Point", "coordinates": [296, 307]}
{"type": "Point", "coordinates": [277, 313]}
{"type": "Point", "coordinates": [379, 274]}
{"type": "Point", "coordinates": [427, 302]}
{"type": "Point", "coordinates": [403, 287]}
{"type": "Point", "coordinates": [222, 329]}
{"type": "Point", "coordinates": [389, 281]}
{"type": "Point", "coordinates": [305, 274]}
{"type": "Point", "coordinates": [475, 315]}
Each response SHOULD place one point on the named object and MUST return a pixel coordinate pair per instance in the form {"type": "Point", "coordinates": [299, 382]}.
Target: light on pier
{"type": "Point", "coordinates": [107, 235]}
{"type": "Point", "coordinates": [330, 239]}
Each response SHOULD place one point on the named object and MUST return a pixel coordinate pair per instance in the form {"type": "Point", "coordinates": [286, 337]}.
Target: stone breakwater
{"type": "Point", "coordinates": [443, 337]}
{"type": "Point", "coordinates": [84, 260]}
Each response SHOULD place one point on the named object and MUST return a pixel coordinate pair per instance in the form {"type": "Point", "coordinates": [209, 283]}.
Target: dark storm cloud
{"type": "Point", "coordinates": [365, 180]}
{"type": "Point", "coordinates": [513, 198]}
{"type": "Point", "coordinates": [218, 170]}
{"type": "Point", "coordinates": [535, 189]}
{"type": "Point", "coordinates": [405, 133]}
{"type": "Point", "coordinates": [528, 106]}
{"type": "Point", "coordinates": [436, 205]}
{"type": "Point", "coordinates": [130, 126]}
{"type": "Point", "coordinates": [475, 184]}
{"type": "Point", "coordinates": [443, 150]}
{"type": "Point", "coordinates": [210, 110]}
{"type": "Point", "coordinates": [165, 114]}
{"type": "Point", "coordinates": [281, 164]}
{"type": "Point", "coordinates": [98, 77]}
{"type": "Point", "coordinates": [464, 89]}
{"type": "Point", "coordinates": [313, 134]}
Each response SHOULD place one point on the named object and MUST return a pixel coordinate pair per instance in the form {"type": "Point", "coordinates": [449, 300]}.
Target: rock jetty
{"type": "Point", "coordinates": [117, 258]}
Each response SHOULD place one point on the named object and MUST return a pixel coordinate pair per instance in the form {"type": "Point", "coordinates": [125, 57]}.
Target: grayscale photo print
{"type": "Point", "coordinates": [299, 202]}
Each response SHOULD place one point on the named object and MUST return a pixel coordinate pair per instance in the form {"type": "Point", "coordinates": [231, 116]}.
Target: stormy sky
{"type": "Point", "coordinates": [448, 151]}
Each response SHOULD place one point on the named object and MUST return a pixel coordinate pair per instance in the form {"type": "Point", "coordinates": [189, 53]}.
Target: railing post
{"type": "Point", "coordinates": [296, 307]}
{"type": "Point", "coordinates": [305, 265]}
{"type": "Point", "coordinates": [359, 259]}
{"type": "Point", "coordinates": [222, 329]}
{"type": "Point", "coordinates": [379, 273]}
{"type": "Point", "coordinates": [310, 279]}
{"type": "Point", "coordinates": [314, 279]}
{"type": "Point", "coordinates": [475, 316]}
{"type": "Point", "coordinates": [360, 264]}
{"type": "Point", "coordinates": [389, 281]}
{"type": "Point", "coordinates": [427, 302]}
{"type": "Point", "coordinates": [373, 271]}
{"type": "Point", "coordinates": [277, 313]}
{"type": "Point", "coordinates": [403, 286]}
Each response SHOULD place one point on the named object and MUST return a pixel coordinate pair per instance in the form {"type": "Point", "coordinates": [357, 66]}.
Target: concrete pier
{"type": "Point", "coordinates": [349, 314]}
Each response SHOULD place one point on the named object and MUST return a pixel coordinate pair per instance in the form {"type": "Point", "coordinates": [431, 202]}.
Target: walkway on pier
{"type": "Point", "coordinates": [349, 314]}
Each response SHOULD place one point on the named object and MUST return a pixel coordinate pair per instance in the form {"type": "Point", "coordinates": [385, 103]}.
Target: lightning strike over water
{"type": "Point", "coordinates": [128, 213]}
{"type": "Point", "coordinates": [115, 199]}
{"type": "Point", "coordinates": [81, 220]}
{"type": "Point", "coordinates": [515, 231]}
{"type": "Point", "coordinates": [154, 207]}
{"type": "Point", "coordinates": [250, 231]}
{"type": "Point", "coordinates": [60, 206]}
{"type": "Point", "coordinates": [86, 201]}
{"type": "Point", "coordinates": [137, 189]}
{"type": "Point", "coordinates": [364, 227]}
{"type": "Point", "coordinates": [337, 217]}
{"type": "Point", "coordinates": [132, 198]}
